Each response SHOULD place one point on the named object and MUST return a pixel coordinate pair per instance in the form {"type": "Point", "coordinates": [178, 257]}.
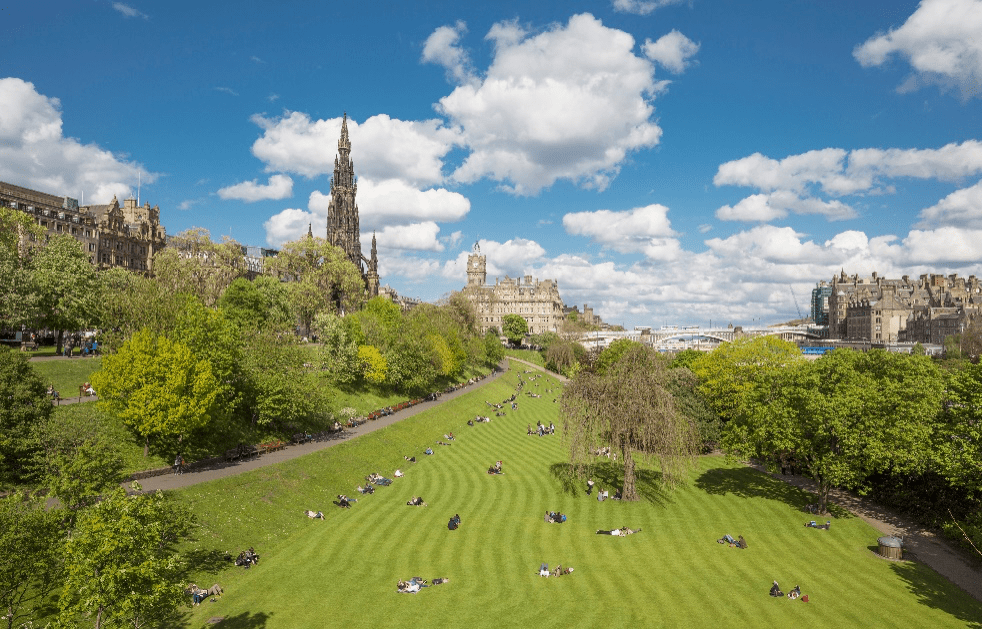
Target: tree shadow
{"type": "Point", "coordinates": [207, 561]}
{"type": "Point", "coordinates": [746, 482]}
{"type": "Point", "coordinates": [610, 476]}
{"type": "Point", "coordinates": [245, 620]}
{"type": "Point", "coordinates": [938, 593]}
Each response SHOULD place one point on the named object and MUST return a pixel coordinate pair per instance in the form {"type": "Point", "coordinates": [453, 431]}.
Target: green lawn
{"type": "Point", "coordinates": [67, 375]}
{"type": "Point", "coordinates": [529, 355]}
{"type": "Point", "coordinates": [343, 571]}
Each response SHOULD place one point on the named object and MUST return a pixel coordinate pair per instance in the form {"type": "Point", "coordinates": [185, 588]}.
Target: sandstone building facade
{"type": "Point", "coordinates": [538, 302]}
{"type": "Point", "coordinates": [881, 310]}
{"type": "Point", "coordinates": [124, 236]}
{"type": "Point", "coordinates": [343, 229]}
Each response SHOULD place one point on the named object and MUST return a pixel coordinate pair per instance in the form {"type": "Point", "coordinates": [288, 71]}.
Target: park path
{"type": "Point", "coordinates": [173, 481]}
{"type": "Point", "coordinates": [557, 376]}
{"type": "Point", "coordinates": [922, 543]}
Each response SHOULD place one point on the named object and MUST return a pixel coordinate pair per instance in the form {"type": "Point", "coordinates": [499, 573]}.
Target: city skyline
{"type": "Point", "coordinates": [665, 162]}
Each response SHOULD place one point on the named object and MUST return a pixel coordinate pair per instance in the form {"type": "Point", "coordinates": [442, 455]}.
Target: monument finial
{"type": "Point", "coordinates": [477, 246]}
{"type": "Point", "coordinates": [344, 144]}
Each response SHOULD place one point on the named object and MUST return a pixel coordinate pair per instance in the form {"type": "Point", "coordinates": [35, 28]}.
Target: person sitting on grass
{"type": "Point", "coordinates": [428, 451]}
{"type": "Point", "coordinates": [776, 590]}
{"type": "Point", "coordinates": [314, 515]}
{"type": "Point", "coordinates": [495, 469]}
{"type": "Point", "coordinates": [742, 543]}
{"type": "Point", "coordinates": [411, 459]}
{"type": "Point", "coordinates": [345, 498]}
{"type": "Point", "coordinates": [555, 517]}
{"type": "Point", "coordinates": [417, 501]}
{"type": "Point", "coordinates": [544, 570]}
{"type": "Point", "coordinates": [397, 473]}
{"type": "Point", "coordinates": [343, 503]}
{"type": "Point", "coordinates": [365, 490]}
{"type": "Point", "coordinates": [454, 523]}
{"type": "Point", "coordinates": [795, 593]}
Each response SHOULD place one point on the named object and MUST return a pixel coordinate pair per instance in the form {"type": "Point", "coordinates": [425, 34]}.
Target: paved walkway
{"type": "Point", "coordinates": [172, 481]}
{"type": "Point", "coordinates": [562, 379]}
{"type": "Point", "coordinates": [922, 543]}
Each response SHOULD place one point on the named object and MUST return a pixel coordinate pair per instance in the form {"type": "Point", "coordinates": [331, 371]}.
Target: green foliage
{"type": "Point", "coordinates": [842, 417]}
{"type": "Point", "coordinates": [410, 369]}
{"type": "Point", "coordinates": [276, 295]}
{"type": "Point", "coordinates": [515, 328]}
{"type": "Point", "coordinates": [732, 370]}
{"type": "Point", "coordinates": [373, 366]}
{"type": "Point", "coordinates": [129, 302]}
{"type": "Point", "coordinates": [159, 388]}
{"type": "Point", "coordinates": [690, 403]}
{"type": "Point", "coordinates": [121, 566]}
{"type": "Point", "coordinates": [323, 279]}
{"type": "Point", "coordinates": [194, 265]}
{"type": "Point", "coordinates": [686, 358]}
{"type": "Point", "coordinates": [67, 375]}
{"type": "Point", "coordinates": [282, 392]}
{"type": "Point", "coordinates": [112, 429]}
{"type": "Point", "coordinates": [30, 548]}
{"type": "Point", "coordinates": [213, 337]}
{"type": "Point", "coordinates": [18, 233]}
{"type": "Point", "coordinates": [612, 354]}
{"type": "Point", "coordinates": [79, 458]}
{"type": "Point", "coordinates": [545, 340]}
{"type": "Point", "coordinates": [565, 357]}
{"type": "Point", "coordinates": [494, 351]}
{"type": "Point", "coordinates": [25, 407]}
{"type": "Point", "coordinates": [244, 305]}
{"type": "Point", "coordinates": [958, 442]}
{"type": "Point", "coordinates": [64, 285]}
{"type": "Point", "coordinates": [339, 354]}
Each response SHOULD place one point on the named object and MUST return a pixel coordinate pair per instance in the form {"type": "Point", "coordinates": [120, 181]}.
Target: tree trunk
{"type": "Point", "coordinates": [146, 447]}
{"type": "Point", "coordinates": [60, 342]}
{"type": "Point", "coordinates": [628, 492]}
{"type": "Point", "coordinates": [823, 496]}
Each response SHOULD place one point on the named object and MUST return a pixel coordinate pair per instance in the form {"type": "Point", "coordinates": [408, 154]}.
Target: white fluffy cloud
{"type": "Point", "coordinates": [279, 187]}
{"type": "Point", "coordinates": [381, 147]}
{"type": "Point", "coordinates": [641, 7]}
{"type": "Point", "coordinates": [567, 103]}
{"type": "Point", "coordinates": [443, 48]}
{"type": "Point", "coordinates": [35, 154]}
{"type": "Point", "coordinates": [414, 237]}
{"type": "Point", "coordinates": [673, 51]}
{"type": "Point", "coordinates": [962, 208]}
{"type": "Point", "coordinates": [942, 41]}
{"type": "Point", "coordinates": [644, 229]}
{"type": "Point", "coordinates": [292, 223]}
{"type": "Point", "coordinates": [795, 183]}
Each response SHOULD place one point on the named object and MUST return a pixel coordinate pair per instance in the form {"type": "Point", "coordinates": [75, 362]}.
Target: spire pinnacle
{"type": "Point", "coordinates": [344, 144]}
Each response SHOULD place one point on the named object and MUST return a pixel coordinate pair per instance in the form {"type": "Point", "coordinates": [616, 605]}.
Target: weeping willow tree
{"type": "Point", "coordinates": [630, 409]}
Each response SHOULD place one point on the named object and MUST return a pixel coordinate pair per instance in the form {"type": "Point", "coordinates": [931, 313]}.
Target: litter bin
{"type": "Point", "coordinates": [891, 547]}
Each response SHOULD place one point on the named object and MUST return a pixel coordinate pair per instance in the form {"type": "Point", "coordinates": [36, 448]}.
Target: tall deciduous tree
{"type": "Point", "coordinates": [958, 443]}
{"type": "Point", "coordinates": [629, 408]}
{"type": "Point", "coordinates": [30, 548]}
{"type": "Point", "coordinates": [322, 278]}
{"type": "Point", "coordinates": [195, 265]}
{"type": "Point", "coordinates": [121, 566]}
{"type": "Point", "coordinates": [281, 389]}
{"type": "Point", "coordinates": [25, 407]}
{"type": "Point", "coordinates": [494, 351]}
{"type": "Point", "coordinates": [339, 352]}
{"type": "Point", "coordinates": [732, 370]}
{"type": "Point", "coordinates": [842, 417]}
{"type": "Point", "coordinates": [18, 236]}
{"type": "Point", "coordinates": [65, 286]}
{"type": "Point", "coordinates": [158, 387]}
{"type": "Point", "coordinates": [129, 302]}
{"type": "Point", "coordinates": [514, 328]}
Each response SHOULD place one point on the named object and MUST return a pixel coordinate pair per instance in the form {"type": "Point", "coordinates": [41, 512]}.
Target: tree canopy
{"type": "Point", "coordinates": [64, 285]}
{"type": "Point", "coordinates": [30, 545]}
{"type": "Point", "coordinates": [193, 264]}
{"type": "Point", "coordinates": [26, 406]}
{"type": "Point", "coordinates": [631, 409]}
{"type": "Point", "coordinates": [514, 328]}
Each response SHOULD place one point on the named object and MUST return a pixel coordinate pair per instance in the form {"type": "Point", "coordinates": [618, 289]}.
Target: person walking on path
{"type": "Point", "coordinates": [179, 464]}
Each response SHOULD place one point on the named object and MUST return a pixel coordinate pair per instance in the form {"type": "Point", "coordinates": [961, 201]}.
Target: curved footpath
{"type": "Point", "coordinates": [173, 481]}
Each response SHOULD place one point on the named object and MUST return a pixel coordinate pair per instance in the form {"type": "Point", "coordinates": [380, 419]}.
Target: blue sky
{"type": "Point", "coordinates": [666, 162]}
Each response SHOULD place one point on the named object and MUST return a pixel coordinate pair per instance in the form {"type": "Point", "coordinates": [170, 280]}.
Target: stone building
{"type": "Point", "coordinates": [538, 302]}
{"type": "Point", "coordinates": [881, 310]}
{"type": "Point", "coordinates": [124, 236]}
{"type": "Point", "coordinates": [343, 229]}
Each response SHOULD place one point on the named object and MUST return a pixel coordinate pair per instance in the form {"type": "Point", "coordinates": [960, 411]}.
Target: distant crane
{"type": "Point", "coordinates": [793, 296]}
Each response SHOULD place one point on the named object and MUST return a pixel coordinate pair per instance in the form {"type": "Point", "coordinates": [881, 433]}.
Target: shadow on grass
{"type": "Point", "coordinates": [747, 482]}
{"type": "Point", "coordinates": [937, 592]}
{"type": "Point", "coordinates": [610, 476]}
{"type": "Point", "coordinates": [245, 620]}
{"type": "Point", "coordinates": [210, 561]}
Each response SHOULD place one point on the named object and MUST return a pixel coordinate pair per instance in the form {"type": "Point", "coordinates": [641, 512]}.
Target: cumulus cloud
{"type": "Point", "coordinates": [381, 147]}
{"type": "Point", "coordinates": [129, 11]}
{"type": "Point", "coordinates": [35, 154]}
{"type": "Point", "coordinates": [644, 229]}
{"type": "Point", "coordinates": [962, 208]}
{"type": "Point", "coordinates": [442, 47]}
{"type": "Point", "coordinates": [393, 202]}
{"type": "Point", "coordinates": [570, 102]}
{"type": "Point", "coordinates": [291, 224]}
{"type": "Point", "coordinates": [642, 7]}
{"type": "Point", "coordinates": [414, 237]}
{"type": "Point", "coordinates": [796, 183]}
{"type": "Point", "coordinates": [942, 42]}
{"type": "Point", "coordinates": [279, 187]}
{"type": "Point", "coordinates": [672, 51]}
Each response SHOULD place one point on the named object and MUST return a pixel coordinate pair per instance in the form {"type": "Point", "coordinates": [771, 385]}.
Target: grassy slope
{"type": "Point", "coordinates": [67, 375]}
{"type": "Point", "coordinates": [531, 356]}
{"type": "Point", "coordinates": [673, 574]}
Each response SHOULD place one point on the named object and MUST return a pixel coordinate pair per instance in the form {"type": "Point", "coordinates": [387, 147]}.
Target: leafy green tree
{"type": "Point", "coordinates": [279, 310]}
{"type": "Point", "coordinates": [612, 354]}
{"type": "Point", "coordinates": [129, 302]}
{"type": "Point", "coordinates": [379, 323]}
{"type": "Point", "coordinates": [64, 285]}
{"type": "Point", "coordinates": [686, 358]}
{"type": "Point", "coordinates": [732, 370]}
{"type": "Point", "coordinates": [159, 388]}
{"type": "Point", "coordinates": [244, 305]}
{"type": "Point", "coordinates": [18, 237]}
{"type": "Point", "coordinates": [78, 459]}
{"type": "Point", "coordinates": [373, 366]}
{"type": "Point", "coordinates": [30, 545]}
{"type": "Point", "coordinates": [958, 443]}
{"type": "Point", "coordinates": [322, 278]}
{"type": "Point", "coordinates": [410, 369]}
{"type": "Point", "coordinates": [684, 386]}
{"type": "Point", "coordinates": [515, 328]}
{"type": "Point", "coordinates": [281, 389]}
{"type": "Point", "coordinates": [192, 264]}
{"type": "Point", "coordinates": [339, 353]}
{"type": "Point", "coordinates": [842, 417]}
{"type": "Point", "coordinates": [121, 563]}
{"type": "Point", "coordinates": [212, 336]}
{"type": "Point", "coordinates": [631, 409]}
{"type": "Point", "coordinates": [545, 340]}
{"type": "Point", "coordinates": [25, 407]}
{"type": "Point", "coordinates": [494, 351]}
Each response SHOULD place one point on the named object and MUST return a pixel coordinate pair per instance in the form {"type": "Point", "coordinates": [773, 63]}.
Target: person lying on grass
{"type": "Point", "coordinates": [621, 532]}
{"type": "Point", "coordinates": [826, 526]}
{"type": "Point", "coordinates": [368, 489]}
{"type": "Point", "coordinates": [413, 585]}
{"type": "Point", "coordinates": [417, 501]}
{"type": "Point", "coordinates": [397, 473]}
{"type": "Point", "coordinates": [378, 480]}
{"type": "Point", "coordinates": [411, 459]}
{"type": "Point", "coordinates": [440, 443]}
{"type": "Point", "coordinates": [314, 515]}
{"type": "Point", "coordinates": [343, 503]}
{"type": "Point", "coordinates": [795, 593]}
{"type": "Point", "coordinates": [560, 571]}
{"type": "Point", "coordinates": [555, 517]}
